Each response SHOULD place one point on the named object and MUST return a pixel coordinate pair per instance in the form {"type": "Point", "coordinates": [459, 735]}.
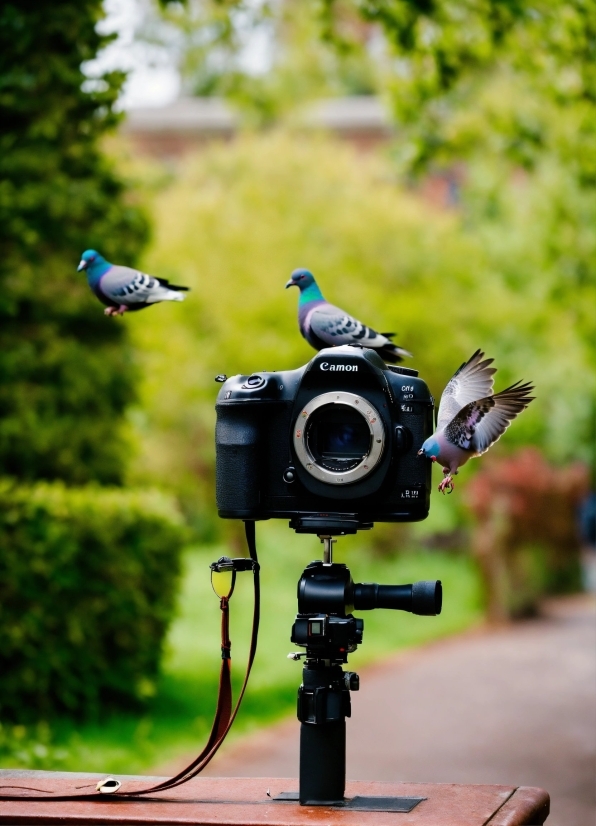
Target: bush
{"type": "Point", "coordinates": [87, 586]}
{"type": "Point", "coordinates": [526, 538]}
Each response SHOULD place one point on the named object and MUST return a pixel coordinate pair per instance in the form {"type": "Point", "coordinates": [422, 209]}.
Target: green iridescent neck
{"type": "Point", "coordinates": [311, 293]}
{"type": "Point", "coordinates": [98, 268]}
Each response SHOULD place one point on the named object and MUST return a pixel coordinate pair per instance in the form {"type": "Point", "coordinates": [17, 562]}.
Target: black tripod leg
{"type": "Point", "coordinates": [322, 762]}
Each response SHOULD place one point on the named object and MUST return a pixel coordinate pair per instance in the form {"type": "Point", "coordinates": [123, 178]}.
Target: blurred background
{"type": "Point", "coordinates": [433, 165]}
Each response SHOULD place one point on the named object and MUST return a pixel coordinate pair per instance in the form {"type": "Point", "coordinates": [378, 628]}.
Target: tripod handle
{"type": "Point", "coordinates": [424, 598]}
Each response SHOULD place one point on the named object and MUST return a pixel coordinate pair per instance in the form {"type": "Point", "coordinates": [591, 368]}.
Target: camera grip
{"type": "Point", "coordinates": [238, 461]}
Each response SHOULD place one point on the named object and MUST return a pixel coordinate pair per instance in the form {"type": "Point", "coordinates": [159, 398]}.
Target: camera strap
{"type": "Point", "coordinates": [224, 714]}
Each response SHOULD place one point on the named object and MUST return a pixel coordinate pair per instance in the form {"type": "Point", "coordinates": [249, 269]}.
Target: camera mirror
{"type": "Point", "coordinates": [339, 437]}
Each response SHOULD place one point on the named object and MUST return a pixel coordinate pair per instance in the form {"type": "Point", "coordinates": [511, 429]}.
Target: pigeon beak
{"type": "Point", "coordinates": [420, 452]}
{"type": "Point", "coordinates": [82, 265]}
{"type": "Point", "coordinates": [291, 284]}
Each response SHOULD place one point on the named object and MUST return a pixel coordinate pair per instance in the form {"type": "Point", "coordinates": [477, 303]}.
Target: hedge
{"type": "Point", "coordinates": [67, 377]}
{"type": "Point", "coordinates": [88, 578]}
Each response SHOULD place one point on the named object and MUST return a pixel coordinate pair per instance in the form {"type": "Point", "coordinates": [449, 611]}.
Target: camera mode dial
{"type": "Point", "coordinates": [254, 382]}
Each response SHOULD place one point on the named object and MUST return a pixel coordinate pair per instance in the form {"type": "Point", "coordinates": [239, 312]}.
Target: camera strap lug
{"type": "Point", "coordinates": [226, 563]}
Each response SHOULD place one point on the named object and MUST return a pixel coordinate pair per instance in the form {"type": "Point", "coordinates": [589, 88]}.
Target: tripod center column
{"type": "Point", "coordinates": [323, 705]}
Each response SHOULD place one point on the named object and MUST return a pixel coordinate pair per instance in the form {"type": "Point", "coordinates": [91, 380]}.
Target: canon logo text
{"type": "Point", "coordinates": [348, 368]}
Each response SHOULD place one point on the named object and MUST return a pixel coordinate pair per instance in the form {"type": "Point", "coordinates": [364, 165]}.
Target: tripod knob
{"type": "Point", "coordinates": [427, 598]}
{"type": "Point", "coordinates": [351, 681]}
{"type": "Point", "coordinates": [423, 598]}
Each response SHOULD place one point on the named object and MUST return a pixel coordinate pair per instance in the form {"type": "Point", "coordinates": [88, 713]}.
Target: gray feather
{"type": "Point", "coordinates": [124, 285]}
{"type": "Point", "coordinates": [479, 424]}
{"type": "Point", "coordinates": [334, 327]}
{"type": "Point", "coordinates": [472, 381]}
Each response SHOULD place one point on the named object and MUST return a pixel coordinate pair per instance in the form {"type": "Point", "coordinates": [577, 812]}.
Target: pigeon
{"type": "Point", "coordinates": [123, 288]}
{"type": "Point", "coordinates": [324, 325]}
{"type": "Point", "coordinates": [471, 417]}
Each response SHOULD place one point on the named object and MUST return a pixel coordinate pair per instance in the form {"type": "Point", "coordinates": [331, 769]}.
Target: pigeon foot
{"type": "Point", "coordinates": [447, 485]}
{"type": "Point", "coordinates": [112, 311]}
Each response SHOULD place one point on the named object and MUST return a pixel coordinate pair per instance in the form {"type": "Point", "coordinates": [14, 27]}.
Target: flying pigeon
{"type": "Point", "coordinates": [471, 417]}
{"type": "Point", "coordinates": [324, 325]}
{"type": "Point", "coordinates": [123, 288]}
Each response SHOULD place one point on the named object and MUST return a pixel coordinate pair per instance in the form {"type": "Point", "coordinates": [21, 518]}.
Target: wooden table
{"type": "Point", "coordinates": [244, 801]}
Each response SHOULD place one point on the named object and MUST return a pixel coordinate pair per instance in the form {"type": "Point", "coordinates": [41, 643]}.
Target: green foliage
{"type": "Point", "coordinates": [444, 54]}
{"type": "Point", "coordinates": [66, 373]}
{"type": "Point", "coordinates": [87, 588]}
{"type": "Point", "coordinates": [212, 41]}
{"type": "Point", "coordinates": [526, 537]}
{"type": "Point", "coordinates": [510, 90]}
{"type": "Point", "coordinates": [175, 722]}
{"type": "Point", "coordinates": [438, 58]}
{"type": "Point", "coordinates": [235, 220]}
{"type": "Point", "coordinates": [500, 95]}
{"type": "Point", "coordinates": [442, 43]}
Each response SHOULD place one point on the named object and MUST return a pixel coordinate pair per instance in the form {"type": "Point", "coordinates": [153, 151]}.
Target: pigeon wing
{"type": "Point", "coordinates": [123, 285]}
{"type": "Point", "coordinates": [472, 381]}
{"type": "Point", "coordinates": [334, 327]}
{"type": "Point", "coordinates": [481, 423]}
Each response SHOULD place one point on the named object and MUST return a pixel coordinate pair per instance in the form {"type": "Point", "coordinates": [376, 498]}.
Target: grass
{"type": "Point", "coordinates": [177, 720]}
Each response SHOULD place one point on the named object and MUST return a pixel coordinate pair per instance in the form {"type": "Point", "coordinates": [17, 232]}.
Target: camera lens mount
{"type": "Point", "coordinates": [339, 437]}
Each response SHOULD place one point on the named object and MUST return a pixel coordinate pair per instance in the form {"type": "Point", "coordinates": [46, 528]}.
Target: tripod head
{"type": "Point", "coordinates": [327, 596]}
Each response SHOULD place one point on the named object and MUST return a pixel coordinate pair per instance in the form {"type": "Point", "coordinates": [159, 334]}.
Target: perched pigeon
{"type": "Point", "coordinates": [123, 288]}
{"type": "Point", "coordinates": [324, 325]}
{"type": "Point", "coordinates": [471, 418]}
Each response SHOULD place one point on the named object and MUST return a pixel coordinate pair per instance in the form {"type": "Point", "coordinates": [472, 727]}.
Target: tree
{"type": "Point", "coordinates": [66, 376]}
{"type": "Point", "coordinates": [210, 42]}
{"type": "Point", "coordinates": [500, 95]}
{"type": "Point", "coordinates": [236, 219]}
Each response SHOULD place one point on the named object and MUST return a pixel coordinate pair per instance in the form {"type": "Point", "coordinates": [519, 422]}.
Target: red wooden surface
{"type": "Point", "coordinates": [244, 802]}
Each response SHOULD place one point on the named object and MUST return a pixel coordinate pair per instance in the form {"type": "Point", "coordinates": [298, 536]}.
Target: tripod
{"type": "Point", "coordinates": [326, 628]}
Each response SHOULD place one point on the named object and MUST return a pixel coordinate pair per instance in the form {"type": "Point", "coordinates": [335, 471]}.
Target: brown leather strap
{"type": "Point", "coordinates": [224, 716]}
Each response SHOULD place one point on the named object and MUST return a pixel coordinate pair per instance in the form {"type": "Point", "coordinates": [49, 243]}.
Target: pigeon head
{"type": "Point", "coordinates": [430, 449]}
{"type": "Point", "coordinates": [305, 281]}
{"type": "Point", "coordinates": [93, 262]}
{"type": "Point", "coordinates": [301, 279]}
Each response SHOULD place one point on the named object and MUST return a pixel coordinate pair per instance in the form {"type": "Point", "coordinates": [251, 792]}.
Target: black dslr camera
{"type": "Point", "coordinates": [333, 447]}
{"type": "Point", "coordinates": [334, 441]}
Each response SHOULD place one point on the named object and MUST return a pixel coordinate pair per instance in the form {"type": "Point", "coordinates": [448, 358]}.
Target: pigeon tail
{"type": "Point", "coordinates": [165, 295]}
{"type": "Point", "coordinates": [393, 353]}
{"type": "Point", "coordinates": [165, 283]}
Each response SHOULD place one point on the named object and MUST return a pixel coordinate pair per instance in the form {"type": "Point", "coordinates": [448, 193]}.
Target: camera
{"type": "Point", "coordinates": [333, 443]}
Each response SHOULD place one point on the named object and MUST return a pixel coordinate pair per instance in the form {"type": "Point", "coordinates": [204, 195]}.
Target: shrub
{"type": "Point", "coordinates": [526, 538]}
{"type": "Point", "coordinates": [87, 585]}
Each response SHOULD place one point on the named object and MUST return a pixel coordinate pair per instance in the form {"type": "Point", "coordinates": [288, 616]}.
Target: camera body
{"type": "Point", "coordinates": [336, 439]}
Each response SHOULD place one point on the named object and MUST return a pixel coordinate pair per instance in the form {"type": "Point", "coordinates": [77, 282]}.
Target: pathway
{"type": "Point", "coordinates": [515, 706]}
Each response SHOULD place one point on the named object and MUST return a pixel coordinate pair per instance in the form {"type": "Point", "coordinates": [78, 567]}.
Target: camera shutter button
{"type": "Point", "coordinates": [254, 382]}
